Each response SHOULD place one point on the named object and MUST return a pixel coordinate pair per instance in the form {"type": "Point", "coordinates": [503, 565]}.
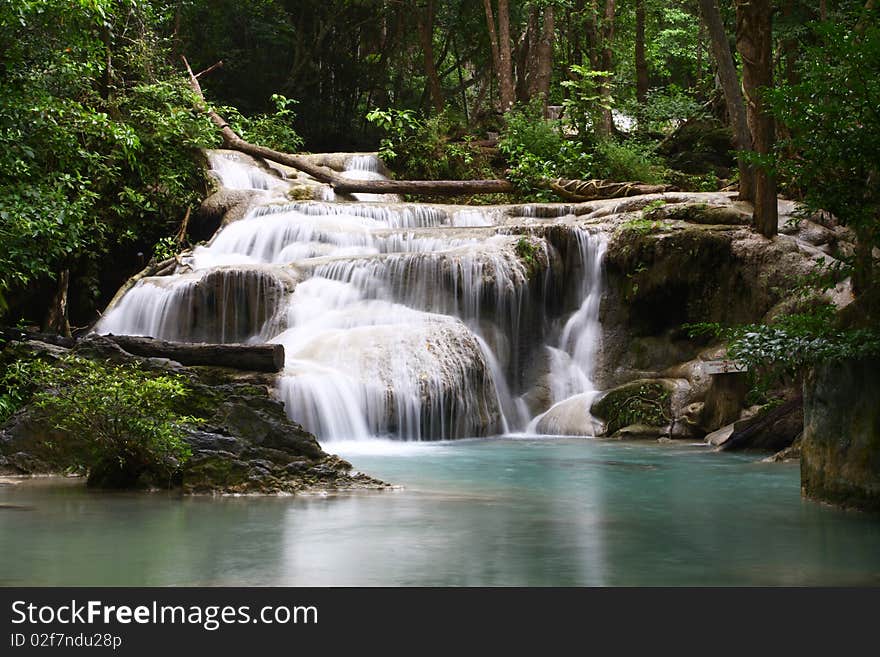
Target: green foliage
{"type": "Point", "coordinates": [527, 250]}
{"type": "Point", "coordinates": [664, 109]}
{"type": "Point", "coordinates": [584, 103]}
{"type": "Point", "coordinates": [15, 387]}
{"type": "Point", "coordinates": [98, 137]}
{"type": "Point", "coordinates": [642, 403]}
{"type": "Point", "coordinates": [165, 248]}
{"type": "Point", "coordinates": [834, 128]}
{"type": "Point", "coordinates": [119, 422]}
{"type": "Point", "coordinates": [629, 160]}
{"type": "Point", "coordinates": [781, 352]}
{"type": "Point", "coordinates": [537, 150]}
{"type": "Point", "coordinates": [272, 130]}
{"type": "Point", "coordinates": [433, 148]}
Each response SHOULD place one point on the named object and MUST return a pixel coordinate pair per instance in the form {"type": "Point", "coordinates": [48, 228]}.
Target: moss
{"type": "Point", "coordinates": [528, 251]}
{"type": "Point", "coordinates": [641, 402]}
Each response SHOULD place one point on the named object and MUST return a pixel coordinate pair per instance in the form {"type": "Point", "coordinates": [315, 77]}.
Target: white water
{"type": "Point", "coordinates": [573, 358]}
{"type": "Point", "coordinates": [403, 321]}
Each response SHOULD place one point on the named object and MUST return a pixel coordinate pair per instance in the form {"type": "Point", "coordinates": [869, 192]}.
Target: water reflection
{"type": "Point", "coordinates": [491, 512]}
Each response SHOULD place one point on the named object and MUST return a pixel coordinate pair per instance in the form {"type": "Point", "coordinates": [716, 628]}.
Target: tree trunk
{"type": "Point", "coordinates": [754, 41]}
{"type": "Point", "coordinates": [505, 61]}
{"type": "Point", "coordinates": [732, 94]}
{"type": "Point", "coordinates": [607, 59]}
{"type": "Point", "coordinates": [251, 357]}
{"type": "Point", "coordinates": [493, 39]}
{"type": "Point", "coordinates": [426, 35]}
{"type": "Point", "coordinates": [641, 63]}
{"type": "Point", "coordinates": [438, 187]}
{"type": "Point", "coordinates": [524, 57]}
{"type": "Point", "coordinates": [56, 319]}
{"type": "Point", "coordinates": [543, 58]}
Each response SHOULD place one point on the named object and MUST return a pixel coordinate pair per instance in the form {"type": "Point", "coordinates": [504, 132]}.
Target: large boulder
{"type": "Point", "coordinates": [840, 450]}
{"type": "Point", "coordinates": [641, 403]}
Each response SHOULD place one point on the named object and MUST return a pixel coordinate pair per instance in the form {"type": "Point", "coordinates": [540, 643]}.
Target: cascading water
{"type": "Point", "coordinates": [572, 360]}
{"type": "Point", "coordinates": [399, 320]}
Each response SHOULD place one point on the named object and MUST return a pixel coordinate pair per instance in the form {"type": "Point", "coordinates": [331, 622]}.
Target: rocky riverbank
{"type": "Point", "coordinates": [245, 443]}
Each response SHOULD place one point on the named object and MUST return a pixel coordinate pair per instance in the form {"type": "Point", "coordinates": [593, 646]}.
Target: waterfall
{"type": "Point", "coordinates": [399, 320]}
{"type": "Point", "coordinates": [573, 358]}
{"type": "Point", "coordinates": [233, 171]}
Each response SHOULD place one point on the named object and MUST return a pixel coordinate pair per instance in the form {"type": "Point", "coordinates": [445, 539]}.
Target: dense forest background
{"type": "Point", "coordinates": [100, 143]}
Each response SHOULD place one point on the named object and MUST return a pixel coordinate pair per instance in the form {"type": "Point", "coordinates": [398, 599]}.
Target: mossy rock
{"type": "Point", "coordinates": [645, 402]}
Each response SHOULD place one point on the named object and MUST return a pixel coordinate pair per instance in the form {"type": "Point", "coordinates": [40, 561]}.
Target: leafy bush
{"type": "Point", "coordinates": [98, 140]}
{"type": "Point", "coordinates": [434, 148]}
{"type": "Point", "coordinates": [834, 127]}
{"type": "Point", "coordinates": [584, 104]}
{"type": "Point", "coordinates": [537, 150]}
{"type": "Point", "coordinates": [781, 352]}
{"type": "Point", "coordinates": [629, 160]}
{"type": "Point", "coordinates": [274, 130]}
{"type": "Point", "coordinates": [118, 422]}
{"type": "Point", "coordinates": [665, 109]}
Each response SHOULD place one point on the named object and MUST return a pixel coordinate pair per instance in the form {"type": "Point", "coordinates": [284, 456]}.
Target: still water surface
{"type": "Point", "coordinates": [528, 511]}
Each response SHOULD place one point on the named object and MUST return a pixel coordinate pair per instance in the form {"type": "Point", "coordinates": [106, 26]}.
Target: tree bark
{"type": "Point", "coordinates": [733, 98]}
{"type": "Point", "coordinates": [641, 62]}
{"type": "Point", "coordinates": [499, 40]}
{"type": "Point", "coordinates": [439, 187]}
{"type": "Point", "coordinates": [542, 69]}
{"type": "Point", "coordinates": [56, 319]}
{"type": "Point", "coordinates": [493, 38]}
{"type": "Point", "coordinates": [607, 59]}
{"type": "Point", "coordinates": [754, 41]}
{"type": "Point", "coordinates": [251, 357]}
{"type": "Point", "coordinates": [595, 190]}
{"type": "Point", "coordinates": [505, 61]}
{"type": "Point", "coordinates": [426, 35]}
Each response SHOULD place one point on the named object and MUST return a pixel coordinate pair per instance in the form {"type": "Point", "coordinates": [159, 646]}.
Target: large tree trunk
{"type": "Point", "coordinates": [499, 42]}
{"type": "Point", "coordinates": [542, 66]}
{"type": "Point", "coordinates": [251, 357]}
{"type": "Point", "coordinates": [607, 61]}
{"type": "Point", "coordinates": [733, 98]}
{"type": "Point", "coordinates": [493, 38]}
{"type": "Point", "coordinates": [754, 41]}
{"type": "Point", "coordinates": [641, 62]}
{"type": "Point", "coordinates": [426, 36]}
{"type": "Point", "coordinates": [505, 61]}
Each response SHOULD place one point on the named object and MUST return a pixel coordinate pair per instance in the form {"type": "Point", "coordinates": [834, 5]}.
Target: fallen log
{"type": "Point", "coordinates": [322, 174]}
{"type": "Point", "coordinates": [250, 357]}
{"type": "Point", "coordinates": [9, 334]}
{"type": "Point", "coordinates": [597, 190]}
{"type": "Point", "coordinates": [436, 187]}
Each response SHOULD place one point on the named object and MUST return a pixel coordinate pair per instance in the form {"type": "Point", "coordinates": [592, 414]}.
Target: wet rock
{"type": "Point", "coordinates": [645, 402]}
{"type": "Point", "coordinates": [790, 453]}
{"type": "Point", "coordinates": [774, 427]}
{"type": "Point", "coordinates": [570, 418]}
{"type": "Point", "coordinates": [223, 206]}
{"type": "Point", "coordinates": [840, 451]}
